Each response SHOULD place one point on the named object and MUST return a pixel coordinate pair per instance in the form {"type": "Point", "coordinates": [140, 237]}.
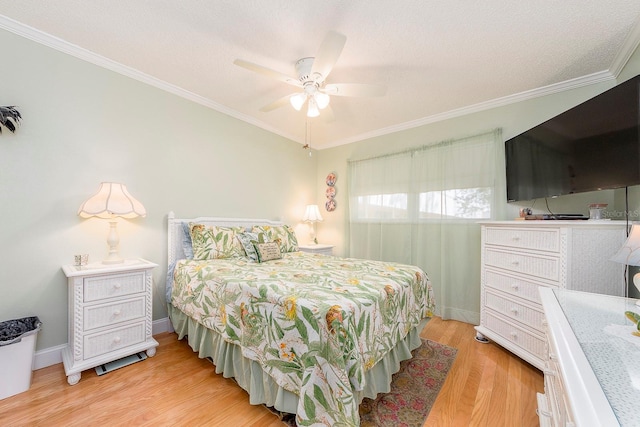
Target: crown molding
{"type": "Point", "coordinates": [629, 46]}
{"type": "Point", "coordinates": [58, 44]}
{"type": "Point", "coordinates": [590, 79]}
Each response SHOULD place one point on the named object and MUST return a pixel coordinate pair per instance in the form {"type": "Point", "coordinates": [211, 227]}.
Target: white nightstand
{"type": "Point", "coordinates": [317, 249]}
{"type": "Point", "coordinates": [109, 314]}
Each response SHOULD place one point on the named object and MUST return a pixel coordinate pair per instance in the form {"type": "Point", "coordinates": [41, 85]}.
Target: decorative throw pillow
{"type": "Point", "coordinates": [246, 239]}
{"type": "Point", "coordinates": [213, 242]}
{"type": "Point", "coordinates": [267, 251]}
{"type": "Point", "coordinates": [186, 241]}
{"type": "Point", "coordinates": [282, 234]}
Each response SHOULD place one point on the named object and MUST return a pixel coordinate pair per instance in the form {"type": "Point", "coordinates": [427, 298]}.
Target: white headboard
{"type": "Point", "coordinates": [175, 251]}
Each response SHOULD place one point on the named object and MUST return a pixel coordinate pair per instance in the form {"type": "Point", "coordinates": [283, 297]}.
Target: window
{"type": "Point", "coordinates": [421, 207]}
{"type": "Point", "coordinates": [470, 203]}
{"type": "Point", "coordinates": [379, 206]}
{"type": "Point", "coordinates": [452, 180]}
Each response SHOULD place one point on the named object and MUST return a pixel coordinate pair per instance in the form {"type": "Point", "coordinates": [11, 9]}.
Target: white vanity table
{"type": "Point", "coordinates": [592, 372]}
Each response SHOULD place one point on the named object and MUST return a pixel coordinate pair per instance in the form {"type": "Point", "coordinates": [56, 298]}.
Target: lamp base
{"type": "Point", "coordinates": [113, 240]}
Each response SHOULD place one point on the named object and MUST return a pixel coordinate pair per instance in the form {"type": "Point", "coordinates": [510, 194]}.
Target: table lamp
{"type": "Point", "coordinates": [312, 215]}
{"type": "Point", "coordinates": [110, 202]}
{"type": "Point", "coordinates": [629, 254]}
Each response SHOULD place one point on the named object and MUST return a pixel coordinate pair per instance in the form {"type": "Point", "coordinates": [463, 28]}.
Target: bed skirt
{"type": "Point", "coordinates": [229, 361]}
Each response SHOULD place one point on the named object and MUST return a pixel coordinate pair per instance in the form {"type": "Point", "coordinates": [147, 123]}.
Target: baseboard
{"type": "Point", "coordinates": [53, 355]}
{"type": "Point", "coordinates": [48, 356]}
{"type": "Point", "coordinates": [161, 325]}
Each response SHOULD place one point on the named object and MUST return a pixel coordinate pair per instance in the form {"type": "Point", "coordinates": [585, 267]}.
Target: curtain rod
{"type": "Point", "coordinates": [427, 146]}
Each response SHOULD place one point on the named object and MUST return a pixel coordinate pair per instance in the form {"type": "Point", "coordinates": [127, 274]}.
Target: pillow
{"type": "Point", "coordinates": [213, 242]}
{"type": "Point", "coordinates": [186, 241]}
{"type": "Point", "coordinates": [267, 251]}
{"type": "Point", "coordinates": [246, 239]}
{"type": "Point", "coordinates": [282, 234]}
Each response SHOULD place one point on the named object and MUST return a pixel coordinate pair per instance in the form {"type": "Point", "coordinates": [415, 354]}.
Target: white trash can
{"type": "Point", "coordinates": [17, 348]}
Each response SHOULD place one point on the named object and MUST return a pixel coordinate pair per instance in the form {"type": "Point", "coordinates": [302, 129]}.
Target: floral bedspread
{"type": "Point", "coordinates": [315, 323]}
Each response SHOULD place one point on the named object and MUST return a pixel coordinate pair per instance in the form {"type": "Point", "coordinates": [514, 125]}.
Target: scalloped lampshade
{"type": "Point", "coordinates": [312, 215]}
{"type": "Point", "coordinates": [110, 202]}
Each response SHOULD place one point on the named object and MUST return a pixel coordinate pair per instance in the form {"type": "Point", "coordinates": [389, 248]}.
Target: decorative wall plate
{"type": "Point", "coordinates": [331, 179]}
{"type": "Point", "coordinates": [330, 206]}
{"type": "Point", "coordinates": [331, 192]}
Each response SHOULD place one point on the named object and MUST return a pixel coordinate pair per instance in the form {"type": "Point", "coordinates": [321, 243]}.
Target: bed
{"type": "Point", "coordinates": [304, 333]}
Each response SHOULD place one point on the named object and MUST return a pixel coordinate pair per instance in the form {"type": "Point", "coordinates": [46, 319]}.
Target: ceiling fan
{"type": "Point", "coordinates": [311, 77]}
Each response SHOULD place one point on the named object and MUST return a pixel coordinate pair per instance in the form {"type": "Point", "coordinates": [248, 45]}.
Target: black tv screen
{"type": "Point", "coordinates": [593, 146]}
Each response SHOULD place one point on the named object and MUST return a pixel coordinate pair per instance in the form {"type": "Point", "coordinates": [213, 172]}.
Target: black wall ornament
{"type": "Point", "coordinates": [9, 118]}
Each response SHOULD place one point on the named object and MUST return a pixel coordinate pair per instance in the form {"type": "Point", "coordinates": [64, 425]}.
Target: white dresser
{"type": "Point", "coordinates": [110, 310]}
{"type": "Point", "coordinates": [518, 257]}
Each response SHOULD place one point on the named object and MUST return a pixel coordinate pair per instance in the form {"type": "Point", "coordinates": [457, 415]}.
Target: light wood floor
{"type": "Point", "coordinates": [487, 386]}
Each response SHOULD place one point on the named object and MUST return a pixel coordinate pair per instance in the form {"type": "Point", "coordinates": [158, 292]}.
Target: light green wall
{"type": "Point", "coordinates": [513, 119]}
{"type": "Point", "coordinates": [83, 125]}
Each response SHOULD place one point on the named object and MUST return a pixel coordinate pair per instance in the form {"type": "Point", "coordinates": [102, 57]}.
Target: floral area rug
{"type": "Point", "coordinates": [414, 389]}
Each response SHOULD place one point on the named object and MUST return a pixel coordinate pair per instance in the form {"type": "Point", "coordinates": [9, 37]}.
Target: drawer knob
{"type": "Point", "coordinates": [117, 285]}
{"type": "Point", "coordinates": [514, 311]}
{"type": "Point", "coordinates": [514, 335]}
{"type": "Point", "coordinates": [515, 238]}
{"type": "Point", "coordinates": [116, 313]}
{"type": "Point", "coordinates": [514, 286]}
{"type": "Point", "coordinates": [515, 262]}
{"type": "Point", "coordinates": [116, 340]}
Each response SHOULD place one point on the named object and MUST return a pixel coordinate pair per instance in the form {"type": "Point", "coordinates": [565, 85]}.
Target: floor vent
{"type": "Point", "coordinates": [120, 363]}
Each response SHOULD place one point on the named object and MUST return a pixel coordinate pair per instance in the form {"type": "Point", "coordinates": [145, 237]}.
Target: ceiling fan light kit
{"type": "Point", "coordinates": [317, 100]}
{"type": "Point", "coordinates": [312, 108]}
{"type": "Point", "coordinates": [298, 100]}
{"type": "Point", "coordinates": [322, 99]}
{"type": "Point", "coordinates": [311, 74]}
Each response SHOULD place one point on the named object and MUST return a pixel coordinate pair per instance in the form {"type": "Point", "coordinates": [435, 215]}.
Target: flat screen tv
{"type": "Point", "coordinates": [593, 146]}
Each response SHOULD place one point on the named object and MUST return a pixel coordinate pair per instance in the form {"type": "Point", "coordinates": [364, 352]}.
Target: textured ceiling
{"type": "Point", "coordinates": [437, 59]}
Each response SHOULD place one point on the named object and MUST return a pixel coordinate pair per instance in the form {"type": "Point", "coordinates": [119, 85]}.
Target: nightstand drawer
{"type": "Point", "coordinates": [96, 316]}
{"type": "Point", "coordinates": [102, 287]}
{"type": "Point", "coordinates": [542, 239]}
{"type": "Point", "coordinates": [114, 339]}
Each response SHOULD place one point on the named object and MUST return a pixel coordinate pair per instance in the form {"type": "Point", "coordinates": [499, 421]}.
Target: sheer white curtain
{"type": "Point", "coordinates": [422, 207]}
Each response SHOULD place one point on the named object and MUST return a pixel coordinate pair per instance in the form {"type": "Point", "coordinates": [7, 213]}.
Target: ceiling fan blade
{"type": "Point", "coordinates": [268, 72]}
{"type": "Point", "coordinates": [327, 55]}
{"type": "Point", "coordinates": [354, 89]}
{"type": "Point", "coordinates": [277, 104]}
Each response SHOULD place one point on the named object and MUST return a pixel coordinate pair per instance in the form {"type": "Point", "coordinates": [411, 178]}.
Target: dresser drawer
{"type": "Point", "coordinates": [516, 311]}
{"type": "Point", "coordinates": [96, 316]}
{"type": "Point", "coordinates": [522, 288]}
{"type": "Point", "coordinates": [114, 339]}
{"type": "Point", "coordinates": [102, 287]}
{"type": "Point", "coordinates": [542, 239]}
{"type": "Point", "coordinates": [524, 339]}
{"type": "Point", "coordinates": [545, 267]}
